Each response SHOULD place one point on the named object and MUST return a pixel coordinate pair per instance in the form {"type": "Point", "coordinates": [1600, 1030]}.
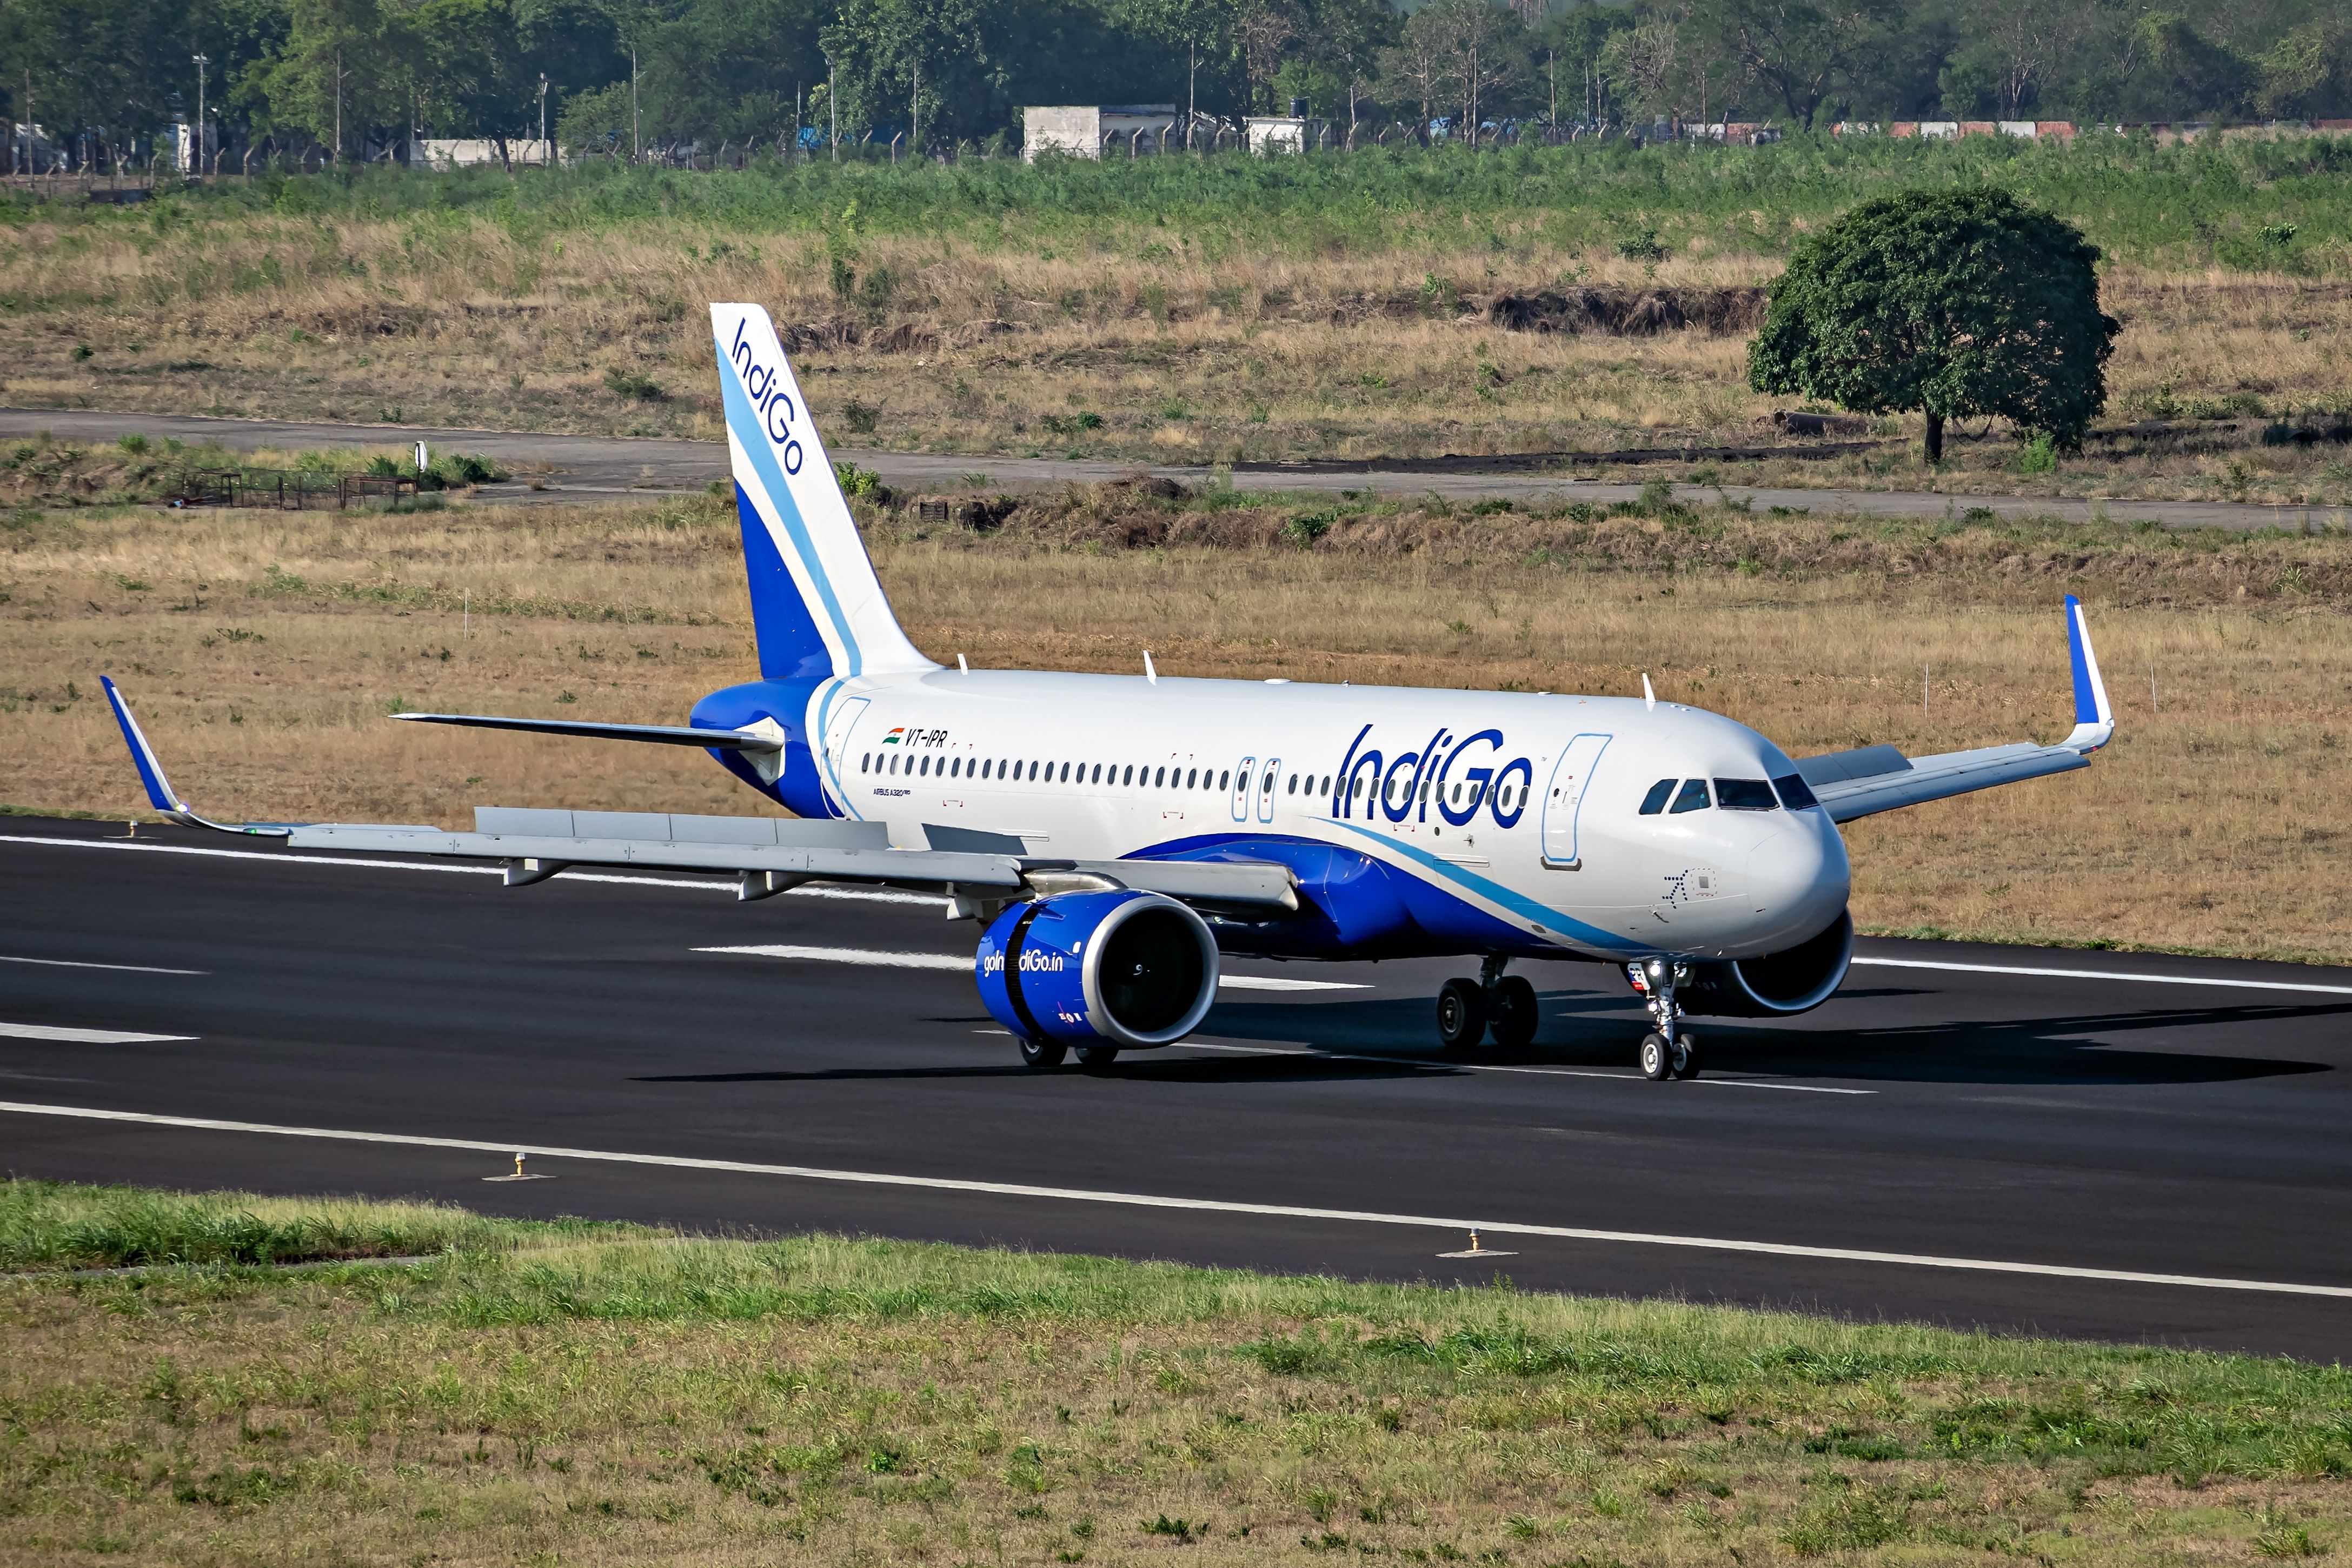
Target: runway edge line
{"type": "Point", "coordinates": [507, 1148]}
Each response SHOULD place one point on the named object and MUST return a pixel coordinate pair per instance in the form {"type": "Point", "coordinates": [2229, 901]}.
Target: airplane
{"type": "Point", "coordinates": [1116, 835]}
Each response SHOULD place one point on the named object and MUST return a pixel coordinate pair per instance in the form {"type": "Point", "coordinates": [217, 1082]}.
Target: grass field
{"type": "Point", "coordinates": [263, 651]}
{"type": "Point", "coordinates": [1182, 310]}
{"type": "Point", "coordinates": [587, 1393]}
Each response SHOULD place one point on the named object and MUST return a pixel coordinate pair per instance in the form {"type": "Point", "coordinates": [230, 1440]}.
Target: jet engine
{"type": "Point", "coordinates": [1797, 980]}
{"type": "Point", "coordinates": [1100, 971]}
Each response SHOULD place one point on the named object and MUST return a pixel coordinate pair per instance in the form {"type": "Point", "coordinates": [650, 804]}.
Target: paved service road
{"type": "Point", "coordinates": [2055, 1122]}
{"type": "Point", "coordinates": [600, 468]}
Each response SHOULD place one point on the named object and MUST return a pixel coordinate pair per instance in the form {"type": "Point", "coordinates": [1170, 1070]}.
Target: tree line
{"type": "Point", "coordinates": [339, 80]}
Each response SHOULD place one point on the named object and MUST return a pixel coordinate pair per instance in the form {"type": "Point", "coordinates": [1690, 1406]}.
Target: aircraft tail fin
{"type": "Point", "coordinates": [816, 606]}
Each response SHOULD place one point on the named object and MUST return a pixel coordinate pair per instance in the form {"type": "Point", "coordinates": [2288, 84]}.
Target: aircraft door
{"type": "Point", "coordinates": [1265, 789]}
{"type": "Point", "coordinates": [839, 726]}
{"type": "Point", "coordinates": [1565, 796]}
{"type": "Point", "coordinates": [1243, 776]}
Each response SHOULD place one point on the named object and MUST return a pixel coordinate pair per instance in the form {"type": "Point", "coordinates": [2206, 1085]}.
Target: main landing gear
{"type": "Point", "coordinates": [1667, 1051]}
{"type": "Point", "coordinates": [1495, 1003]}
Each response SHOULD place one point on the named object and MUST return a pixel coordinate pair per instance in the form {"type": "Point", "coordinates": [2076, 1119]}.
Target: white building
{"type": "Point", "coordinates": [1270, 133]}
{"type": "Point", "coordinates": [431, 152]}
{"type": "Point", "coordinates": [1094, 130]}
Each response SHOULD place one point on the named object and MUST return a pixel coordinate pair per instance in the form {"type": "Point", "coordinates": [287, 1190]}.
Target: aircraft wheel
{"type": "Point", "coordinates": [1657, 1060]}
{"type": "Point", "coordinates": [1095, 1057]}
{"type": "Point", "coordinates": [1042, 1055]}
{"type": "Point", "coordinates": [1685, 1057]}
{"type": "Point", "coordinates": [1511, 1013]}
{"type": "Point", "coordinates": [1461, 1014]}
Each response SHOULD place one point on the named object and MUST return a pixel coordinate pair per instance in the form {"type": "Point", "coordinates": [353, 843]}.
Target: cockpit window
{"type": "Point", "coordinates": [1744, 795]}
{"type": "Point", "coordinates": [1795, 793]}
{"type": "Point", "coordinates": [1693, 797]}
{"type": "Point", "coordinates": [1656, 801]}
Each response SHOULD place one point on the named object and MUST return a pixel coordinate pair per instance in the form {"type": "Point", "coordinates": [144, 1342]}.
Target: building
{"type": "Point", "coordinates": [429, 152]}
{"type": "Point", "coordinates": [1092, 130]}
{"type": "Point", "coordinates": [1271, 134]}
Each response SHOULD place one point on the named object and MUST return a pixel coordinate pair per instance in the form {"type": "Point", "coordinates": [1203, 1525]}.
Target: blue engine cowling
{"type": "Point", "coordinates": [1121, 968]}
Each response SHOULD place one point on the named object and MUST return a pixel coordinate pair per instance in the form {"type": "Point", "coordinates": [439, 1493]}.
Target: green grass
{"type": "Point", "coordinates": [2212, 202]}
{"type": "Point", "coordinates": [52, 1225]}
{"type": "Point", "coordinates": [599, 1393]}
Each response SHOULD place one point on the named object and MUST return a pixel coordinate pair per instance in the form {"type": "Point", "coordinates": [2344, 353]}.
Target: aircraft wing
{"type": "Point", "coordinates": [1862, 783]}
{"type": "Point", "coordinates": [767, 854]}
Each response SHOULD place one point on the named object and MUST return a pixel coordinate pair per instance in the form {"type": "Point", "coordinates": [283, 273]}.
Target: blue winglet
{"type": "Point", "coordinates": [151, 768]}
{"type": "Point", "coordinates": [2094, 719]}
{"type": "Point", "coordinates": [158, 788]}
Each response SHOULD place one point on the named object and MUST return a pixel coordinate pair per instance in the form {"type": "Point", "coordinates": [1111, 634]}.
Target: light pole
{"type": "Point", "coordinates": [636, 137]}
{"type": "Point", "coordinates": [202, 61]}
{"type": "Point", "coordinates": [546, 154]}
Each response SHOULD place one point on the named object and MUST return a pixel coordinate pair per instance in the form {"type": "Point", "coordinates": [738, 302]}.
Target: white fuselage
{"type": "Point", "coordinates": [1527, 808]}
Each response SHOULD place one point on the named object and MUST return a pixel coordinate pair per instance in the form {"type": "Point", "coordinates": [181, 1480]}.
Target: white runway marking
{"type": "Point", "coordinates": [506, 1149]}
{"type": "Point", "coordinates": [82, 1037]}
{"type": "Point", "coordinates": [944, 961]}
{"type": "Point", "coordinates": [2108, 974]}
{"type": "Point", "coordinates": [867, 895]}
{"type": "Point", "coordinates": [1498, 1066]}
{"type": "Point", "coordinates": [851, 956]}
{"type": "Point", "coordinates": [126, 968]}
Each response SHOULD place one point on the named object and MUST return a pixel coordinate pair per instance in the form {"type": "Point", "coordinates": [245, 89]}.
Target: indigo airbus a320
{"type": "Point", "coordinates": [1113, 835]}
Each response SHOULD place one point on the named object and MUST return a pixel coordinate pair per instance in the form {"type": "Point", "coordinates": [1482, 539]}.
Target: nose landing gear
{"type": "Point", "coordinates": [1497, 1004]}
{"type": "Point", "coordinates": [1666, 1052]}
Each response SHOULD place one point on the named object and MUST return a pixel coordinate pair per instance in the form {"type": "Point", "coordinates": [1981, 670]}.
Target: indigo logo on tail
{"type": "Point", "coordinates": [766, 387]}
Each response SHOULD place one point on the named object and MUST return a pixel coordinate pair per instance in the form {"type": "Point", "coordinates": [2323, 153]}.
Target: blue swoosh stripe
{"type": "Point", "coordinates": [1519, 904]}
{"type": "Point", "coordinates": [754, 441]}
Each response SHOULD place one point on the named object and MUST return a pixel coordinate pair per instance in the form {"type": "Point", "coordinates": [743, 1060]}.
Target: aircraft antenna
{"type": "Point", "coordinates": [1649, 697]}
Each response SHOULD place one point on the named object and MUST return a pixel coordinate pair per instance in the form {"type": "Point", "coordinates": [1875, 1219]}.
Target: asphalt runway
{"type": "Point", "coordinates": [2109, 1118]}
{"type": "Point", "coordinates": [555, 467]}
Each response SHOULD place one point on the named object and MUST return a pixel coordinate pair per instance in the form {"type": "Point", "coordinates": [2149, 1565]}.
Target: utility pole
{"type": "Point", "coordinates": [546, 153]}
{"type": "Point", "coordinates": [202, 61]}
{"type": "Point", "coordinates": [637, 138]}
{"type": "Point", "coordinates": [832, 107]}
{"type": "Point", "coordinates": [339, 74]}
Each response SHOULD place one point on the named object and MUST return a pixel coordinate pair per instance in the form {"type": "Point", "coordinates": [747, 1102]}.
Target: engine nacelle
{"type": "Point", "coordinates": [1121, 968]}
{"type": "Point", "coordinates": [1795, 981]}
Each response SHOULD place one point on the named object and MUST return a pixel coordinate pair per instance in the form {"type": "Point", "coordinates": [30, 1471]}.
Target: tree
{"type": "Point", "coordinates": [1264, 29]}
{"type": "Point", "coordinates": [1482, 52]}
{"type": "Point", "coordinates": [1349, 36]}
{"type": "Point", "coordinates": [1203, 30]}
{"type": "Point", "coordinates": [1804, 51]}
{"type": "Point", "coordinates": [1957, 303]}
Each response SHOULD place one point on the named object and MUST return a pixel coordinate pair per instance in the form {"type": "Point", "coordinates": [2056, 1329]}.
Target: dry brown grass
{"type": "Point", "coordinates": [263, 651]}
{"type": "Point", "coordinates": [1185, 352]}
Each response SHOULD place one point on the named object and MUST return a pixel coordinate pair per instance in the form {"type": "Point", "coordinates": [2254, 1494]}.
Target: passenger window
{"type": "Point", "coordinates": [1225, 780]}
{"type": "Point", "coordinates": [1294, 786]}
{"type": "Point", "coordinates": [1744, 795]}
{"type": "Point", "coordinates": [1795, 793]}
{"type": "Point", "coordinates": [1656, 801]}
{"type": "Point", "coordinates": [864, 761]}
{"type": "Point", "coordinates": [1097, 778]}
{"type": "Point", "coordinates": [955, 768]}
{"type": "Point", "coordinates": [1693, 797]}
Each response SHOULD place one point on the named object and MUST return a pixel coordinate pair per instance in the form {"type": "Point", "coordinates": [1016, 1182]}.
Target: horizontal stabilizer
{"type": "Point", "coordinates": [658, 734]}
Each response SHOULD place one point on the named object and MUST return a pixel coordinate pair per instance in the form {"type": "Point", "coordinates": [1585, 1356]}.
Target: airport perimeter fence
{"type": "Point", "coordinates": [288, 489]}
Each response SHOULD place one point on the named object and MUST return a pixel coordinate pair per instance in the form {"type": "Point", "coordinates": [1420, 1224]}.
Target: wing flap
{"type": "Point", "coordinates": [669, 854]}
{"type": "Point", "coordinates": [658, 734]}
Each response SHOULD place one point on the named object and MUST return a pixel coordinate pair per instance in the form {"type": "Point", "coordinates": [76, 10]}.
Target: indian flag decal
{"type": "Point", "coordinates": [895, 736]}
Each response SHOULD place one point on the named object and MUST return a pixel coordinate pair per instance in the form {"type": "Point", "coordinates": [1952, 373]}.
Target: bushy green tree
{"type": "Point", "coordinates": [1957, 303]}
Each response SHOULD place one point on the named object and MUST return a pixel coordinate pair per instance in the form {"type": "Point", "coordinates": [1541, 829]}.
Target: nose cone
{"type": "Point", "coordinates": [1797, 880]}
